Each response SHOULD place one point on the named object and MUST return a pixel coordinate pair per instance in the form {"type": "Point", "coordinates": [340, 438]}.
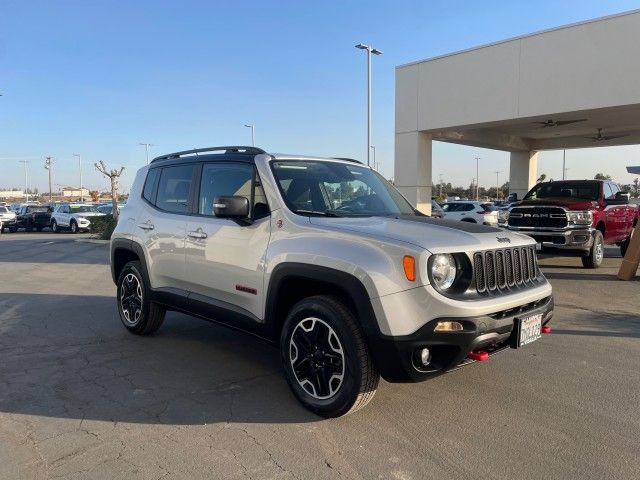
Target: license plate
{"type": "Point", "coordinates": [529, 329]}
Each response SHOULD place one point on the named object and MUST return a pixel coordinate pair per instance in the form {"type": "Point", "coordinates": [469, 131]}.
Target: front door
{"type": "Point", "coordinates": [225, 257]}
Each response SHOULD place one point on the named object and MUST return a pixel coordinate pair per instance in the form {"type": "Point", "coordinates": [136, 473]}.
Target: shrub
{"type": "Point", "coordinates": [102, 227]}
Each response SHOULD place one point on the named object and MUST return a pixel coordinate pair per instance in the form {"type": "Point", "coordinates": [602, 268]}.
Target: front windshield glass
{"type": "Point", "coordinates": [82, 208]}
{"type": "Point", "coordinates": [336, 189]}
{"type": "Point", "coordinates": [579, 190]}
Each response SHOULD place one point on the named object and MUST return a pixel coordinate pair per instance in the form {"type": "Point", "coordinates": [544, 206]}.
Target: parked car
{"type": "Point", "coordinates": [9, 219]}
{"type": "Point", "coordinates": [107, 208]}
{"type": "Point", "coordinates": [470, 211]}
{"type": "Point", "coordinates": [33, 217]}
{"type": "Point", "coordinates": [352, 292]}
{"type": "Point", "coordinates": [436, 210]}
{"type": "Point", "coordinates": [576, 217]}
{"type": "Point", "coordinates": [74, 216]}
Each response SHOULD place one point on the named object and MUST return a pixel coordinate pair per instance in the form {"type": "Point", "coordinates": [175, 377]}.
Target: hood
{"type": "Point", "coordinates": [570, 203]}
{"type": "Point", "coordinates": [433, 234]}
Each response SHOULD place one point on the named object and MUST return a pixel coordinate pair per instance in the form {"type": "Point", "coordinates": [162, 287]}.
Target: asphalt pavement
{"type": "Point", "coordinates": [82, 398]}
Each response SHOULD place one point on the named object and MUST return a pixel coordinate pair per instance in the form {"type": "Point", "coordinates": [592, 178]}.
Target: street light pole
{"type": "Point", "coordinates": [146, 150]}
{"type": "Point", "coordinates": [48, 165]}
{"type": "Point", "coordinates": [564, 160]}
{"type": "Point", "coordinates": [440, 185]}
{"type": "Point", "coordinates": [375, 51]}
{"type": "Point", "coordinates": [80, 168]}
{"type": "Point", "coordinates": [497, 184]}
{"type": "Point", "coordinates": [373, 147]}
{"type": "Point", "coordinates": [477, 178]}
{"type": "Point", "coordinates": [253, 134]}
{"type": "Point", "coordinates": [26, 184]}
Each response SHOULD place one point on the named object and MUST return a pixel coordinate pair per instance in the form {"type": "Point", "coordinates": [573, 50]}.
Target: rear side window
{"type": "Point", "coordinates": [150, 184]}
{"type": "Point", "coordinates": [174, 189]}
{"type": "Point", "coordinates": [608, 193]}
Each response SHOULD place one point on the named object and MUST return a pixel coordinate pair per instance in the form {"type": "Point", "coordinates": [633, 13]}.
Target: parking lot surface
{"type": "Point", "coordinates": [82, 398]}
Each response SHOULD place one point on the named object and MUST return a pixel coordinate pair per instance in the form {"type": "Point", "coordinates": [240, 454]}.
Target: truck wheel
{"type": "Point", "coordinates": [325, 358]}
{"type": "Point", "coordinates": [137, 312]}
{"type": "Point", "coordinates": [596, 254]}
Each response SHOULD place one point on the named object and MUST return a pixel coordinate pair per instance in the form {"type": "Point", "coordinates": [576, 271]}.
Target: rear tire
{"type": "Point", "coordinates": [137, 312]}
{"type": "Point", "coordinates": [595, 256]}
{"type": "Point", "coordinates": [326, 361]}
{"type": "Point", "coordinates": [54, 227]}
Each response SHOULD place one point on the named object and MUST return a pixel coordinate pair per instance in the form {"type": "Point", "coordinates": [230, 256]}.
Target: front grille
{"type": "Point", "coordinates": [504, 269]}
{"type": "Point", "coordinates": [538, 217]}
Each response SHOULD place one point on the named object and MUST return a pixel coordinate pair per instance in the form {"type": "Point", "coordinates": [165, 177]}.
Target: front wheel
{"type": "Point", "coordinates": [73, 226]}
{"type": "Point", "coordinates": [326, 361]}
{"type": "Point", "coordinates": [54, 226]}
{"type": "Point", "coordinates": [595, 256]}
{"type": "Point", "coordinates": [137, 312]}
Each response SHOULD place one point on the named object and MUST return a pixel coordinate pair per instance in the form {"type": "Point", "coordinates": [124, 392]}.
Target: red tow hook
{"type": "Point", "coordinates": [478, 356]}
{"type": "Point", "coordinates": [545, 329]}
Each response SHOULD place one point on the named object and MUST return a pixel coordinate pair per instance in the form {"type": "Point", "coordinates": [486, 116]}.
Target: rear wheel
{"type": "Point", "coordinates": [54, 226]}
{"type": "Point", "coordinates": [137, 312]}
{"type": "Point", "coordinates": [595, 256]}
{"type": "Point", "coordinates": [326, 360]}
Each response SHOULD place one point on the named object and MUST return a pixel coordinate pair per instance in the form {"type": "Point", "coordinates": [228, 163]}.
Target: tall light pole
{"type": "Point", "coordinates": [146, 150]}
{"type": "Point", "coordinates": [375, 51]}
{"type": "Point", "coordinates": [80, 169]}
{"type": "Point", "coordinates": [26, 183]}
{"type": "Point", "coordinates": [253, 134]}
{"type": "Point", "coordinates": [440, 185]}
{"type": "Point", "coordinates": [497, 184]}
{"type": "Point", "coordinates": [373, 147]}
{"type": "Point", "coordinates": [564, 162]}
{"type": "Point", "coordinates": [477, 178]}
{"type": "Point", "coordinates": [48, 165]}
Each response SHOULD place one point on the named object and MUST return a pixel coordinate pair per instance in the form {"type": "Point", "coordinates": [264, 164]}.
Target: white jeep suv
{"type": "Point", "coordinates": [327, 260]}
{"type": "Point", "coordinates": [73, 216]}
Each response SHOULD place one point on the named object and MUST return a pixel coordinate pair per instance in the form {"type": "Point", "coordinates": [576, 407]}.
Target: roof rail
{"type": "Point", "coordinates": [231, 149]}
{"type": "Point", "coordinates": [353, 160]}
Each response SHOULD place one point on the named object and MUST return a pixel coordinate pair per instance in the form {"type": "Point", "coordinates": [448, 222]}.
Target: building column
{"type": "Point", "coordinates": [412, 168]}
{"type": "Point", "coordinates": [523, 172]}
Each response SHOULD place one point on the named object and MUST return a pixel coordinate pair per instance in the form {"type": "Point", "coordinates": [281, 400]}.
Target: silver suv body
{"type": "Point", "coordinates": [325, 258]}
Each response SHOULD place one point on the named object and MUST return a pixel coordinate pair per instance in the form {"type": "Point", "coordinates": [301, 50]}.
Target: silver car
{"type": "Point", "coordinates": [327, 260]}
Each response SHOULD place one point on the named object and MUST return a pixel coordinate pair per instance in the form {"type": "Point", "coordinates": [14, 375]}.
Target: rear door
{"type": "Point", "coordinates": [225, 257]}
{"type": "Point", "coordinates": [615, 214]}
{"type": "Point", "coordinates": [161, 223]}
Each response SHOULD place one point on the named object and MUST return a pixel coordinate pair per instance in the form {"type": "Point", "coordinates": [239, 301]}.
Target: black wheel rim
{"type": "Point", "coordinates": [317, 358]}
{"type": "Point", "coordinates": [131, 299]}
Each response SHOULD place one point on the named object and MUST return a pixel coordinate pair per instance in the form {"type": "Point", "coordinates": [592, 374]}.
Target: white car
{"type": "Point", "coordinates": [8, 219]}
{"type": "Point", "coordinates": [471, 211]}
{"type": "Point", "coordinates": [73, 216]}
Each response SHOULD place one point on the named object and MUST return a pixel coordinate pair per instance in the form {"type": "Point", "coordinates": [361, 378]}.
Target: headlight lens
{"type": "Point", "coordinates": [580, 218]}
{"type": "Point", "coordinates": [503, 216]}
{"type": "Point", "coordinates": [443, 270]}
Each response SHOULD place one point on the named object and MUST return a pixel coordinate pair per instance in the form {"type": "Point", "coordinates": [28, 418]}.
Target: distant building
{"type": "Point", "coordinates": [12, 194]}
{"type": "Point", "coordinates": [75, 192]}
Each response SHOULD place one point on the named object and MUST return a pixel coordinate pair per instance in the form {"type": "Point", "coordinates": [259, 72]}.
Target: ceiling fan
{"type": "Point", "coordinates": [603, 138]}
{"type": "Point", "coordinates": [558, 123]}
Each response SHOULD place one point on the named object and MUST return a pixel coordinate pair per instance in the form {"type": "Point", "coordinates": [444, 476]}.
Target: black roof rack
{"type": "Point", "coordinates": [353, 160]}
{"type": "Point", "coordinates": [225, 150]}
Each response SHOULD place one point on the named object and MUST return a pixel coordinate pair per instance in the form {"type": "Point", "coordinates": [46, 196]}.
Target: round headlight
{"type": "Point", "coordinates": [443, 270]}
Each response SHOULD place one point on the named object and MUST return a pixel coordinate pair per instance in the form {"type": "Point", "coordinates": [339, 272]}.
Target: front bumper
{"type": "Point", "coordinates": [570, 239]}
{"type": "Point", "coordinates": [394, 355]}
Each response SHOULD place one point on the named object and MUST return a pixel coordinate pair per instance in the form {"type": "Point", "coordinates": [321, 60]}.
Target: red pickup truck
{"type": "Point", "coordinates": [577, 216]}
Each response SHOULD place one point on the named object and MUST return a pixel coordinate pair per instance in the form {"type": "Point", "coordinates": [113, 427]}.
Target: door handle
{"type": "Point", "coordinates": [146, 226]}
{"type": "Point", "coordinates": [197, 234]}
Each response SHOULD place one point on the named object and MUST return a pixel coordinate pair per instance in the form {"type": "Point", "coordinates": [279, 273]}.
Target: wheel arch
{"type": "Point", "coordinates": [122, 252]}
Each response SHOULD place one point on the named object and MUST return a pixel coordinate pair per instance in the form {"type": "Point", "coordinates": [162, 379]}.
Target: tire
{"type": "Point", "coordinates": [594, 258]}
{"type": "Point", "coordinates": [73, 226]}
{"type": "Point", "coordinates": [138, 314]}
{"type": "Point", "coordinates": [468, 220]}
{"type": "Point", "coordinates": [328, 328]}
{"type": "Point", "coordinates": [39, 229]}
{"type": "Point", "coordinates": [54, 227]}
{"type": "Point", "coordinates": [13, 230]}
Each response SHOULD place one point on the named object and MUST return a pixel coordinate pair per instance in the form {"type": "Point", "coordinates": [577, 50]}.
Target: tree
{"type": "Point", "coordinates": [113, 176]}
{"type": "Point", "coordinates": [95, 195]}
{"type": "Point", "coordinates": [601, 176]}
{"type": "Point", "coordinates": [636, 187]}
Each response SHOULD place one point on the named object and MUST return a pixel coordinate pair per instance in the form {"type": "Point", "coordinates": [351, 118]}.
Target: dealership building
{"type": "Point", "coordinates": [575, 86]}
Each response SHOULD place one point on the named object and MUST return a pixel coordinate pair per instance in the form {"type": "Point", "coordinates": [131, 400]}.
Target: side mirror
{"type": "Point", "coordinates": [623, 197]}
{"type": "Point", "coordinates": [231, 207]}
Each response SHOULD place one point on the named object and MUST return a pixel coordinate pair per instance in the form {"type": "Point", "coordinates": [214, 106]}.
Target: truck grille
{"type": "Point", "coordinates": [538, 217]}
{"type": "Point", "coordinates": [504, 269]}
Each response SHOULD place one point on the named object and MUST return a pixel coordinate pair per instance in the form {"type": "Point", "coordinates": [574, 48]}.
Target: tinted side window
{"type": "Point", "coordinates": [228, 179]}
{"type": "Point", "coordinates": [468, 207]}
{"type": "Point", "coordinates": [174, 188]}
{"type": "Point", "coordinates": [149, 192]}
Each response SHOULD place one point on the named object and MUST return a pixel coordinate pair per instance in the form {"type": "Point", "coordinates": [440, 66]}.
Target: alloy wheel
{"type": "Point", "coordinates": [599, 252]}
{"type": "Point", "coordinates": [317, 358]}
{"type": "Point", "coordinates": [131, 298]}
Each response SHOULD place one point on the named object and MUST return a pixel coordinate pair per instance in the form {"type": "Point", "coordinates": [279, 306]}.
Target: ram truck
{"type": "Point", "coordinates": [577, 217]}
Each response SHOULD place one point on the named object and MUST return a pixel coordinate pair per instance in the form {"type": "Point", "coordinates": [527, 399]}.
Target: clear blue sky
{"type": "Point", "coordinates": [98, 77]}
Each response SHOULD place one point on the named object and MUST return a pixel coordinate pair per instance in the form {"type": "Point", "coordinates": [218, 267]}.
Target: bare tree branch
{"type": "Point", "coordinates": [112, 175]}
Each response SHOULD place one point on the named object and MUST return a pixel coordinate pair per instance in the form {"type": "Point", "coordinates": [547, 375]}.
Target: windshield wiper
{"type": "Point", "coordinates": [326, 213]}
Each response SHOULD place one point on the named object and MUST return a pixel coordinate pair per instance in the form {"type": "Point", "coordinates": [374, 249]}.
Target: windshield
{"type": "Point", "coordinates": [4, 209]}
{"type": "Point", "coordinates": [82, 208]}
{"type": "Point", "coordinates": [581, 190]}
{"type": "Point", "coordinates": [335, 189]}
{"type": "Point", "coordinates": [37, 209]}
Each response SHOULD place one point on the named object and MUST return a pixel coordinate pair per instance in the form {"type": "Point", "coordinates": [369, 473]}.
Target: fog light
{"type": "Point", "coordinates": [425, 357]}
{"type": "Point", "coordinates": [448, 327]}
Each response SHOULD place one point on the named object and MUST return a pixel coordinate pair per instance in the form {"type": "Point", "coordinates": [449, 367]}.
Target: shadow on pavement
{"type": "Point", "coordinates": [600, 324]}
{"type": "Point", "coordinates": [68, 356]}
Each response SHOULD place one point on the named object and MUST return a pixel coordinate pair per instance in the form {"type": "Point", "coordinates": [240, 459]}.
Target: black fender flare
{"type": "Point", "coordinates": [130, 246]}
